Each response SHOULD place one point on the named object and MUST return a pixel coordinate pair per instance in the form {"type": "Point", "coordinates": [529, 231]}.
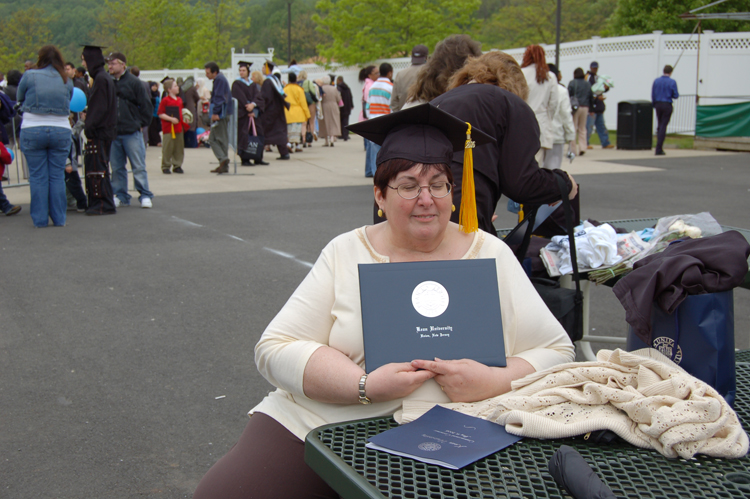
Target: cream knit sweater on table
{"type": "Point", "coordinates": [642, 396]}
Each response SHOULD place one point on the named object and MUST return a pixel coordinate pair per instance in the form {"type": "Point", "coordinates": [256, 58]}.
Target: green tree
{"type": "Point", "coordinates": [526, 22]}
{"type": "Point", "coordinates": [359, 31]}
{"type": "Point", "coordinates": [151, 33]}
{"type": "Point", "coordinates": [634, 17]}
{"type": "Point", "coordinates": [220, 25]}
{"type": "Point", "coordinates": [24, 33]}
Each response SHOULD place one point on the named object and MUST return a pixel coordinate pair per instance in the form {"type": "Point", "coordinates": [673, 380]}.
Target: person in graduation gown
{"type": "Point", "coordinates": [100, 129]}
{"type": "Point", "coordinates": [486, 93]}
{"type": "Point", "coordinates": [272, 118]}
{"type": "Point", "coordinates": [245, 91]}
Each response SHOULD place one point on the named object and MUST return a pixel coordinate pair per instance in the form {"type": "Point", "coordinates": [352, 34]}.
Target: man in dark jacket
{"type": "Point", "coordinates": [100, 129]}
{"type": "Point", "coordinates": [221, 109]}
{"type": "Point", "coordinates": [134, 112]}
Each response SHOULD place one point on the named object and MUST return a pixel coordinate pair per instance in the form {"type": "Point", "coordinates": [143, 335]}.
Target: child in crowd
{"type": "Point", "coordinates": [73, 187]}
{"type": "Point", "coordinates": [172, 127]}
{"type": "Point", "coordinates": [5, 205]}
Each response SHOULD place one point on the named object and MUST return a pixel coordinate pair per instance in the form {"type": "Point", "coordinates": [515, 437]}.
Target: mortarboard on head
{"type": "Point", "coordinates": [426, 134]}
{"type": "Point", "coordinates": [245, 64]}
{"type": "Point", "coordinates": [87, 46]}
{"type": "Point", "coordinates": [165, 79]}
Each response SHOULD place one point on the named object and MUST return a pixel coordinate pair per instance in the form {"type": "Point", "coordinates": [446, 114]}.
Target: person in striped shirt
{"type": "Point", "coordinates": [378, 104]}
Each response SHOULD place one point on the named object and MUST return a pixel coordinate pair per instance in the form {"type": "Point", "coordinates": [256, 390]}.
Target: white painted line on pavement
{"type": "Point", "coordinates": [186, 222]}
{"type": "Point", "coordinates": [291, 257]}
{"type": "Point", "coordinates": [235, 237]}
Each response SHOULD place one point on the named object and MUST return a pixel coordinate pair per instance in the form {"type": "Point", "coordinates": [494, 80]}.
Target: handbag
{"type": "Point", "coordinates": [308, 98]}
{"type": "Point", "coordinates": [574, 104]}
{"type": "Point", "coordinates": [565, 304]}
{"type": "Point", "coordinates": [308, 137]}
{"type": "Point", "coordinates": [255, 143]}
{"type": "Point", "coordinates": [699, 337]}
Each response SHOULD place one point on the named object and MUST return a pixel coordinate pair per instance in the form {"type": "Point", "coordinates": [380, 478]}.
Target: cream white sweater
{"type": "Point", "coordinates": [325, 310]}
{"type": "Point", "coordinates": [642, 396]}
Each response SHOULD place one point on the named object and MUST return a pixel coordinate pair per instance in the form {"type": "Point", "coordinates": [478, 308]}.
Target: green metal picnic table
{"type": "Point", "coordinates": [338, 454]}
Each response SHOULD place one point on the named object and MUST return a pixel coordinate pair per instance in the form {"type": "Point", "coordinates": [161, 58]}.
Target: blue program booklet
{"type": "Point", "coordinates": [445, 438]}
{"type": "Point", "coordinates": [422, 310]}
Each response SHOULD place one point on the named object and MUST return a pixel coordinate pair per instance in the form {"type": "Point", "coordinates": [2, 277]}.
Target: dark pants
{"type": "Point", "coordinates": [5, 205]}
{"type": "Point", "coordinates": [154, 130]}
{"type": "Point", "coordinates": [73, 184]}
{"type": "Point", "coordinates": [344, 123]}
{"type": "Point", "coordinates": [191, 139]}
{"type": "Point", "coordinates": [663, 115]}
{"type": "Point", "coordinates": [98, 184]}
{"type": "Point", "coordinates": [267, 462]}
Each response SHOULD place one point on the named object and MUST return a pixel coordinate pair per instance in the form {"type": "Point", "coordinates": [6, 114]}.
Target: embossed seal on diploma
{"type": "Point", "coordinates": [430, 299]}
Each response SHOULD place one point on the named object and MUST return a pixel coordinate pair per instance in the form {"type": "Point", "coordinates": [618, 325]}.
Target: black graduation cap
{"type": "Point", "coordinates": [245, 64]}
{"type": "Point", "coordinates": [424, 134]}
{"type": "Point", "coordinates": [427, 134]}
{"type": "Point", "coordinates": [88, 46]}
{"type": "Point", "coordinates": [165, 79]}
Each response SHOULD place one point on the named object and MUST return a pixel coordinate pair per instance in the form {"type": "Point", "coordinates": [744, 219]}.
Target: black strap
{"type": "Point", "coordinates": [569, 226]}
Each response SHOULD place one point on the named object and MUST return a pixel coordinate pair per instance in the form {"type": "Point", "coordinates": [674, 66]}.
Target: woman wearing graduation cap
{"type": "Point", "coordinates": [313, 352]}
{"type": "Point", "coordinates": [246, 92]}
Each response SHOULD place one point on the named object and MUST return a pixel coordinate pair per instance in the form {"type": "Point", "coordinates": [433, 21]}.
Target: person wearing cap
{"type": "Point", "coordinates": [134, 111]}
{"type": "Point", "coordinates": [406, 77]}
{"type": "Point", "coordinates": [100, 129]}
{"type": "Point", "coordinates": [432, 79]}
{"type": "Point", "coordinates": [489, 93]}
{"type": "Point", "coordinates": [663, 92]}
{"type": "Point", "coordinates": [272, 117]}
{"type": "Point", "coordinates": [220, 111]}
{"type": "Point", "coordinates": [313, 352]}
{"type": "Point", "coordinates": [246, 92]}
{"type": "Point", "coordinates": [596, 111]}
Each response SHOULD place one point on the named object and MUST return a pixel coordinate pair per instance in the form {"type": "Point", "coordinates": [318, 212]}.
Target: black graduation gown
{"type": "Point", "coordinates": [100, 129]}
{"type": "Point", "coordinates": [242, 92]}
{"type": "Point", "coordinates": [507, 167]}
{"type": "Point", "coordinates": [273, 118]}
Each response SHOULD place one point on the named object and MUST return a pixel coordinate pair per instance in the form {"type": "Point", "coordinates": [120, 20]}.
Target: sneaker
{"type": "Point", "coordinates": [146, 203]}
{"type": "Point", "coordinates": [178, 170]}
{"type": "Point", "coordinates": [118, 203]}
{"type": "Point", "coordinates": [589, 147]}
{"type": "Point", "coordinates": [12, 211]}
{"type": "Point", "coordinates": [609, 146]}
{"type": "Point", "coordinates": [166, 171]}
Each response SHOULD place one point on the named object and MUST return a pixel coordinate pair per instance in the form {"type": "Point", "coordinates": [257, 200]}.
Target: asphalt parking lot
{"type": "Point", "coordinates": [126, 341]}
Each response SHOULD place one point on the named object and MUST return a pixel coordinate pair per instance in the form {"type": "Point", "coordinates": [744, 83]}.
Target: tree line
{"type": "Point", "coordinates": [156, 34]}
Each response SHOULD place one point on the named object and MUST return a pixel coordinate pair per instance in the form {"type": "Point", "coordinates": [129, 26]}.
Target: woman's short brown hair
{"type": "Point", "coordinates": [450, 54]}
{"type": "Point", "coordinates": [388, 170]}
{"type": "Point", "coordinates": [493, 68]}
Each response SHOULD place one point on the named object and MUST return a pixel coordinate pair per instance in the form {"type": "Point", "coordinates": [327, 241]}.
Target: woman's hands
{"type": "Point", "coordinates": [393, 381]}
{"type": "Point", "coordinates": [467, 380]}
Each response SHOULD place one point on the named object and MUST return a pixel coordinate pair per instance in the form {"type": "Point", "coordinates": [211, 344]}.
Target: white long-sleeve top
{"type": "Point", "coordinates": [563, 129]}
{"type": "Point", "coordinates": [542, 100]}
{"type": "Point", "coordinates": [325, 310]}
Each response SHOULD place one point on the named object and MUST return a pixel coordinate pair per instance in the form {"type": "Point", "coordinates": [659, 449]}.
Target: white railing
{"type": "Point", "coordinates": [714, 65]}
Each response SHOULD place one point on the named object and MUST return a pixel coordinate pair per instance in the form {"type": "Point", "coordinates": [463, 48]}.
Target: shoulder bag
{"type": "Point", "coordinates": [565, 304]}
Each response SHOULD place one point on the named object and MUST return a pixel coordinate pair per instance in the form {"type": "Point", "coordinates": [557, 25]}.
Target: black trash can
{"type": "Point", "coordinates": [635, 123]}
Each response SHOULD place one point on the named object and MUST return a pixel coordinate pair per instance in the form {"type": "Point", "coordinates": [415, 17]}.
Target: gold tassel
{"type": "Point", "coordinates": [173, 135]}
{"type": "Point", "coordinates": [467, 217]}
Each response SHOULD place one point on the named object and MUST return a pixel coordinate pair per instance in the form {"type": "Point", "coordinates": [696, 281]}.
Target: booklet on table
{"type": "Point", "coordinates": [445, 438]}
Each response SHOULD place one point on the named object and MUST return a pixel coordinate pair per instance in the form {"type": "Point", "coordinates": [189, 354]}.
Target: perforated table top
{"type": "Point", "coordinates": [338, 454]}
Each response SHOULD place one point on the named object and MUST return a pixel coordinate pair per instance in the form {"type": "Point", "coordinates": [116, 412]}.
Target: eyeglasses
{"type": "Point", "coordinates": [412, 191]}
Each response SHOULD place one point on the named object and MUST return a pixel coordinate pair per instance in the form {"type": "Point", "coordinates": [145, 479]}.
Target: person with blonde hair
{"type": "Point", "coordinates": [488, 93]}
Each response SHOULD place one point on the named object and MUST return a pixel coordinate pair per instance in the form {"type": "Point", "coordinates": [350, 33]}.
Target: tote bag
{"type": "Point", "coordinates": [699, 337]}
{"type": "Point", "coordinates": [255, 143]}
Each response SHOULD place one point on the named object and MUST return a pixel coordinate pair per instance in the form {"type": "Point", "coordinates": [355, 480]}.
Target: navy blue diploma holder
{"type": "Point", "coordinates": [699, 337]}
{"type": "Point", "coordinates": [422, 310]}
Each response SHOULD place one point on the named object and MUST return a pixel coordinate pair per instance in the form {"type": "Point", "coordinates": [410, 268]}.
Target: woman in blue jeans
{"type": "Point", "coordinates": [44, 93]}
